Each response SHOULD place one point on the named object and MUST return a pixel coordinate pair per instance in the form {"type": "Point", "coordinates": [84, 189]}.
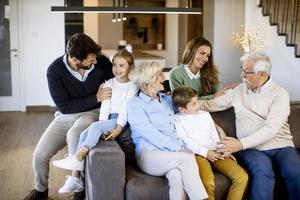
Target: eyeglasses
{"type": "Point", "coordinates": [245, 72]}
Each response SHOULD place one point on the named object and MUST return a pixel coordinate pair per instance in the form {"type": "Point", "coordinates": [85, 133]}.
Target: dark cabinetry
{"type": "Point", "coordinates": [144, 31]}
{"type": "Point", "coordinates": [73, 21]}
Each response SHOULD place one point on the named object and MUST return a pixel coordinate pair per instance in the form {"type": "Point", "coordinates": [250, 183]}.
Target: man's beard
{"type": "Point", "coordinates": [80, 66]}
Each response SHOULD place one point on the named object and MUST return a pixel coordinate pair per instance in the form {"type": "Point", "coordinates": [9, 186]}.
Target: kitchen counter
{"type": "Point", "coordinates": [143, 55]}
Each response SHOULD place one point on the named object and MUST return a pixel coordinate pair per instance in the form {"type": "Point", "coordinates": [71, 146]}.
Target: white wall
{"type": "Point", "coordinates": [182, 35]}
{"type": "Point", "coordinates": [42, 38]}
{"type": "Point", "coordinates": [91, 21]}
{"type": "Point", "coordinates": [208, 20]}
{"type": "Point", "coordinates": [228, 18]}
{"type": "Point", "coordinates": [285, 67]}
{"type": "Point", "coordinates": [172, 35]}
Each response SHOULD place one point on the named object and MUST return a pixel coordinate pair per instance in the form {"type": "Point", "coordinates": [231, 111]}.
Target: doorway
{"type": "Point", "coordinates": [10, 82]}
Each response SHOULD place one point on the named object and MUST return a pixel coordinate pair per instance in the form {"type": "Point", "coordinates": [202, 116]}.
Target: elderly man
{"type": "Point", "coordinates": [264, 138]}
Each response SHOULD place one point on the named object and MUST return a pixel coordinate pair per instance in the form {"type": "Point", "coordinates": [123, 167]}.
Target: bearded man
{"type": "Point", "coordinates": [75, 84]}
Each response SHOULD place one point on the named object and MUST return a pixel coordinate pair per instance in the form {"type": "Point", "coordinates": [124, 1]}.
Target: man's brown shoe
{"type": "Point", "coordinates": [36, 195]}
{"type": "Point", "coordinates": [79, 195]}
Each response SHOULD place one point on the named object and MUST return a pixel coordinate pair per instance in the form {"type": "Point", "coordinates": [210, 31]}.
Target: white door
{"type": "Point", "coordinates": [10, 98]}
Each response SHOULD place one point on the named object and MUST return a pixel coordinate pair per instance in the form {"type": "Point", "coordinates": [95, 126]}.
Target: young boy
{"type": "Point", "coordinates": [199, 133]}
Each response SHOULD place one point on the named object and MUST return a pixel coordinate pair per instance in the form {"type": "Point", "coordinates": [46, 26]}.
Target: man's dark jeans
{"type": "Point", "coordinates": [260, 167]}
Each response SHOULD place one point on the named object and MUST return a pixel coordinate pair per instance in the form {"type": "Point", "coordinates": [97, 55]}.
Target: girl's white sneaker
{"type": "Point", "coordinates": [72, 184]}
{"type": "Point", "coordinates": [70, 163]}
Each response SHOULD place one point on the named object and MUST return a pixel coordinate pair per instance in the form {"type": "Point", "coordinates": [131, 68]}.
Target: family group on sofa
{"type": "Point", "coordinates": [174, 134]}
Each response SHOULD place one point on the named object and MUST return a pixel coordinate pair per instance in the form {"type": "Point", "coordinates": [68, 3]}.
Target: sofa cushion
{"type": "Point", "coordinates": [222, 185]}
{"type": "Point", "coordinates": [226, 119]}
{"type": "Point", "coordinates": [142, 186]}
{"type": "Point", "coordinates": [294, 120]}
{"type": "Point", "coordinates": [126, 144]}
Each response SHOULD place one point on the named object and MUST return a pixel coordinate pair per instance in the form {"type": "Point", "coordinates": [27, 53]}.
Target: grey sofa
{"type": "Point", "coordinates": [111, 172]}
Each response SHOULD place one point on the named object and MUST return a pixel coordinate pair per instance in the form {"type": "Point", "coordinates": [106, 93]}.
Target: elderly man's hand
{"type": "Point", "coordinates": [229, 145]}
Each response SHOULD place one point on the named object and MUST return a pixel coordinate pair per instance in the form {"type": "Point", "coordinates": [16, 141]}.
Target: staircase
{"type": "Point", "coordinates": [285, 14]}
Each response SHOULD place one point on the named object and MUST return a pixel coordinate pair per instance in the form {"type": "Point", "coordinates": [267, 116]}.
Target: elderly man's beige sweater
{"type": "Point", "coordinates": [261, 117]}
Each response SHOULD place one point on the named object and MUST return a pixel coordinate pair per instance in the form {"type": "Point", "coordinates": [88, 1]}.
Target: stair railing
{"type": "Point", "coordinates": [285, 14]}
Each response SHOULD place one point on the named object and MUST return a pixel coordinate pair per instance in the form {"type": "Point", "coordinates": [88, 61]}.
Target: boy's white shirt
{"type": "Point", "coordinates": [121, 94]}
{"type": "Point", "coordinates": [197, 131]}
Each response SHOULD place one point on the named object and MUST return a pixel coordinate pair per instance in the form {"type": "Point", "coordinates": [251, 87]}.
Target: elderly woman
{"type": "Point", "coordinates": [158, 150]}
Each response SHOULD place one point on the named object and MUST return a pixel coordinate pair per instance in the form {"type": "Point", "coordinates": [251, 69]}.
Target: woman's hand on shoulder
{"type": "Point", "coordinates": [230, 86]}
{"type": "Point", "coordinates": [219, 93]}
{"type": "Point", "coordinates": [225, 88]}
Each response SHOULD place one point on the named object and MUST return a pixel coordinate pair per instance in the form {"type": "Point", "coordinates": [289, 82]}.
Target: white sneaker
{"type": "Point", "coordinates": [72, 184]}
{"type": "Point", "coordinates": [70, 162]}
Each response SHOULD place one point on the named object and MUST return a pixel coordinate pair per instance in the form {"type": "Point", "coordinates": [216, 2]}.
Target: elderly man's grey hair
{"type": "Point", "coordinates": [144, 73]}
{"type": "Point", "coordinates": [261, 60]}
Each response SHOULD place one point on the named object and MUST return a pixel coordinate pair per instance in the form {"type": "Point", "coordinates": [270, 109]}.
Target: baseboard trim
{"type": "Point", "coordinates": [53, 109]}
{"type": "Point", "coordinates": [40, 109]}
{"type": "Point", "coordinates": [295, 103]}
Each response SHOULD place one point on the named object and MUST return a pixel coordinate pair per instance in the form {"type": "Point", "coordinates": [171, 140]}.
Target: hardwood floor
{"type": "Point", "coordinates": [19, 133]}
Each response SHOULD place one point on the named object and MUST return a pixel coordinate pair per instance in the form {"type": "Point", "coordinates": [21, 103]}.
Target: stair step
{"type": "Point", "coordinates": [284, 20]}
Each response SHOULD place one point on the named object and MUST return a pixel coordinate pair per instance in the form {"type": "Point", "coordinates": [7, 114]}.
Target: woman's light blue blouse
{"type": "Point", "coordinates": [152, 123]}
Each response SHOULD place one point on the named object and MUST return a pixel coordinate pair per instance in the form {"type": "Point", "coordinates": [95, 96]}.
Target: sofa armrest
{"type": "Point", "coordinates": [105, 172]}
{"type": "Point", "coordinates": [295, 125]}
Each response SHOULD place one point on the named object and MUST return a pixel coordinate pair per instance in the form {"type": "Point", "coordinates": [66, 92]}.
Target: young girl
{"type": "Point", "coordinates": [112, 120]}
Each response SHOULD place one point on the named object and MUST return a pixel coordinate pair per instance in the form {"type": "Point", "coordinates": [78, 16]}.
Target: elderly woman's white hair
{"type": "Point", "coordinates": [261, 60]}
{"type": "Point", "coordinates": [144, 73]}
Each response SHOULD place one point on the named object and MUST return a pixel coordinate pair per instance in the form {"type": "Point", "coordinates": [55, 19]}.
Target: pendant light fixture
{"type": "Point", "coordinates": [114, 14]}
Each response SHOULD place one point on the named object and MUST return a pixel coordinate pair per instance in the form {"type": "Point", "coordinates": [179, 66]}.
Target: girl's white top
{"type": "Point", "coordinates": [121, 93]}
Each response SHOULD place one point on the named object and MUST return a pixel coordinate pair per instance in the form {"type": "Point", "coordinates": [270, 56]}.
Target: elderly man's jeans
{"type": "Point", "coordinates": [262, 180]}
